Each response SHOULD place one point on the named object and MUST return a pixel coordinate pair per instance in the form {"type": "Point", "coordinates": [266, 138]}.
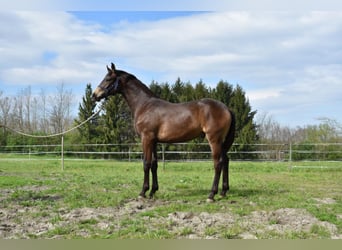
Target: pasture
{"type": "Point", "coordinates": [98, 199]}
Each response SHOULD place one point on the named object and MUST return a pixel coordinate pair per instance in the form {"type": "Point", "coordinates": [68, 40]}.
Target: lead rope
{"type": "Point", "coordinates": [57, 134]}
{"type": "Point", "coordinates": [52, 135]}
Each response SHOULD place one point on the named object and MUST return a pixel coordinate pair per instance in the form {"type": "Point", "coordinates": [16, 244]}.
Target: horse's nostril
{"type": "Point", "coordinates": [94, 98]}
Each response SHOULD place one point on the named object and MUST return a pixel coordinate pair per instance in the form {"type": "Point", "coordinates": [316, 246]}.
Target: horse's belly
{"type": "Point", "coordinates": [178, 132]}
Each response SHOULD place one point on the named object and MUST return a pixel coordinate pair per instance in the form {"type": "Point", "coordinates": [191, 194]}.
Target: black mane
{"type": "Point", "coordinates": [127, 77]}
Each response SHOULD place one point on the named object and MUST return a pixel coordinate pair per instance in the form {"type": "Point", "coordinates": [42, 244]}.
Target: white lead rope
{"type": "Point", "coordinates": [53, 135]}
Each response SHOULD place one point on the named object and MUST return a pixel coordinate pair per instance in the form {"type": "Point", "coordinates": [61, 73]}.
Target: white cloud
{"type": "Point", "coordinates": [36, 33]}
{"type": "Point", "coordinates": [282, 59]}
{"type": "Point", "coordinates": [157, 5]}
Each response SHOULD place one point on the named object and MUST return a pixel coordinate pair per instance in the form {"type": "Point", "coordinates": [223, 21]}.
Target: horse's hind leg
{"type": "Point", "coordinates": [225, 174]}
{"type": "Point", "coordinates": [216, 153]}
{"type": "Point", "coordinates": [224, 158]}
{"type": "Point", "coordinates": [154, 168]}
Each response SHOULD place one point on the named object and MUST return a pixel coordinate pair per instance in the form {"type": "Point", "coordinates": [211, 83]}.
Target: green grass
{"type": "Point", "coordinates": [46, 193]}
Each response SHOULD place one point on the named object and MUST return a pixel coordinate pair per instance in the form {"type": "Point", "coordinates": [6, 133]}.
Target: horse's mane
{"type": "Point", "coordinates": [130, 77]}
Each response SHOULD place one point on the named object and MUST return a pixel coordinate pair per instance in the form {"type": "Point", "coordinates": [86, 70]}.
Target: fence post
{"type": "Point", "coordinates": [129, 153]}
{"type": "Point", "coordinates": [163, 155]}
{"type": "Point", "coordinates": [290, 155]}
{"type": "Point", "coordinates": [62, 152]}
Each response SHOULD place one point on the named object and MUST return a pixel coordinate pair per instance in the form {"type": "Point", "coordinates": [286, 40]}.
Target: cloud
{"type": "Point", "coordinates": [283, 60]}
{"type": "Point", "coordinates": [156, 5]}
{"type": "Point", "coordinates": [46, 47]}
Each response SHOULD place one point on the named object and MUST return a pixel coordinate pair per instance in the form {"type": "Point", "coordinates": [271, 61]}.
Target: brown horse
{"type": "Point", "coordinates": [157, 120]}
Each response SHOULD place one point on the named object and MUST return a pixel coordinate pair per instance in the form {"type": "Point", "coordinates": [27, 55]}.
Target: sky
{"type": "Point", "coordinates": [288, 60]}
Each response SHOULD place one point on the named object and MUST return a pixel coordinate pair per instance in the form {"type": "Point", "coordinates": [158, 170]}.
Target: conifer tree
{"type": "Point", "coordinates": [246, 130]}
{"type": "Point", "coordinates": [223, 92]}
{"type": "Point", "coordinates": [88, 132]}
{"type": "Point", "coordinates": [116, 124]}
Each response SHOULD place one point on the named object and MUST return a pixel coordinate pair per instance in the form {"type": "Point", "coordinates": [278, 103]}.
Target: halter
{"type": "Point", "coordinates": [111, 87]}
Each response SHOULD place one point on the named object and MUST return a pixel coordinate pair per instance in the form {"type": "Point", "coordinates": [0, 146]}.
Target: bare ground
{"type": "Point", "coordinates": [18, 221]}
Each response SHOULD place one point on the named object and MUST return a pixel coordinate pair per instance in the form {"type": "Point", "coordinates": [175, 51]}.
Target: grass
{"type": "Point", "coordinates": [47, 195]}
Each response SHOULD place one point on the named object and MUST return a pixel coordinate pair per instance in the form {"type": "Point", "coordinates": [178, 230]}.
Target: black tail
{"type": "Point", "coordinates": [231, 134]}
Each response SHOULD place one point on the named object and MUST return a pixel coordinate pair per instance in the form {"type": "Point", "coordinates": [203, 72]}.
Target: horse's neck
{"type": "Point", "coordinates": [136, 94]}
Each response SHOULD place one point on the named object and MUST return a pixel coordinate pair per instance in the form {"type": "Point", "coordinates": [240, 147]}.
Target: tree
{"type": "Point", "coordinates": [245, 127]}
{"type": "Point", "coordinates": [116, 123]}
{"type": "Point", "coordinates": [60, 114]}
{"type": "Point", "coordinates": [223, 92]}
{"type": "Point", "coordinates": [201, 91]}
{"type": "Point", "coordinates": [43, 111]}
{"type": "Point", "coordinates": [163, 91]}
{"type": "Point", "coordinates": [183, 92]}
{"type": "Point", "coordinates": [246, 133]}
{"type": "Point", "coordinates": [271, 131]}
{"type": "Point", "coordinates": [88, 132]}
{"type": "Point", "coordinates": [178, 89]}
{"type": "Point", "coordinates": [5, 107]}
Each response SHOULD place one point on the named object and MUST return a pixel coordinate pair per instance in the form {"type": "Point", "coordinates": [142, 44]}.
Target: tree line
{"type": "Point", "coordinates": [47, 114]}
{"type": "Point", "coordinates": [34, 114]}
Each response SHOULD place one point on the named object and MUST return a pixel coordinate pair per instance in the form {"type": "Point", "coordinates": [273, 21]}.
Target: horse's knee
{"type": "Point", "coordinates": [147, 166]}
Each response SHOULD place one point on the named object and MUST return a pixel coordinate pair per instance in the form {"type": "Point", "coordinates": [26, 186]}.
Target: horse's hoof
{"type": "Point", "coordinates": [140, 197]}
{"type": "Point", "coordinates": [210, 200]}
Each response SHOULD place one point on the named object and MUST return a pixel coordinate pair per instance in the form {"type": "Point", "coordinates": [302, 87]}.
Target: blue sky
{"type": "Point", "coordinates": [288, 62]}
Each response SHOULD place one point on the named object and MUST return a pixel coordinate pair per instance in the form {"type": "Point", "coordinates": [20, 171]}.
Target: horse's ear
{"type": "Point", "coordinates": [109, 70]}
{"type": "Point", "coordinates": [113, 67]}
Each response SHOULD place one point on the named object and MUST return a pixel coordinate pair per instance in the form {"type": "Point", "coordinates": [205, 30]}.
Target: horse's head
{"type": "Point", "coordinates": [109, 85]}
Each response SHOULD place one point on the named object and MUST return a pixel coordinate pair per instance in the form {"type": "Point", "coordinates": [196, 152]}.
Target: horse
{"type": "Point", "coordinates": [160, 121]}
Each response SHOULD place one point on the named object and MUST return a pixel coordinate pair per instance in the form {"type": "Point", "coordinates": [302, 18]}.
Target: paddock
{"type": "Point", "coordinates": [98, 199]}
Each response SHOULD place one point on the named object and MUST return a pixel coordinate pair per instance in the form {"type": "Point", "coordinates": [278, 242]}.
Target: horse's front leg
{"type": "Point", "coordinates": [150, 163]}
{"type": "Point", "coordinates": [147, 151]}
{"type": "Point", "coordinates": [146, 183]}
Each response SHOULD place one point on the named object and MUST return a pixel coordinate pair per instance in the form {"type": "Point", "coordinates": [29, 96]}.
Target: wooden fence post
{"type": "Point", "coordinates": [62, 152]}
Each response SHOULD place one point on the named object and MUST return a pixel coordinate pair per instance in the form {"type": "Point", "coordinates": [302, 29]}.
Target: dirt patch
{"type": "Point", "coordinates": [284, 221]}
{"type": "Point", "coordinates": [326, 201]}
{"type": "Point", "coordinates": [199, 225]}
{"type": "Point", "coordinates": [256, 225]}
{"type": "Point", "coordinates": [17, 221]}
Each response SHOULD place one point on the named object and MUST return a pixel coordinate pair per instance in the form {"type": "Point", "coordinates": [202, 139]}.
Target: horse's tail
{"type": "Point", "coordinates": [228, 142]}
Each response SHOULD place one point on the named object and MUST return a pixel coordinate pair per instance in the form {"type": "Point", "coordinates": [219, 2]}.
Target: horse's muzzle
{"type": "Point", "coordinates": [95, 98]}
{"type": "Point", "coordinates": [97, 95]}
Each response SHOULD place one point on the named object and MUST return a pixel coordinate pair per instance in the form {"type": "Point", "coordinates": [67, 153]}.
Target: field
{"type": "Point", "coordinates": [98, 199]}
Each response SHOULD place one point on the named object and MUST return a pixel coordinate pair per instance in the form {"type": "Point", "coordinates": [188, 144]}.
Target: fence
{"type": "Point", "coordinates": [180, 151]}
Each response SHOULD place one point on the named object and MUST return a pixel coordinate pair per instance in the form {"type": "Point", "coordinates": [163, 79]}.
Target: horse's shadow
{"type": "Point", "coordinates": [233, 194]}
